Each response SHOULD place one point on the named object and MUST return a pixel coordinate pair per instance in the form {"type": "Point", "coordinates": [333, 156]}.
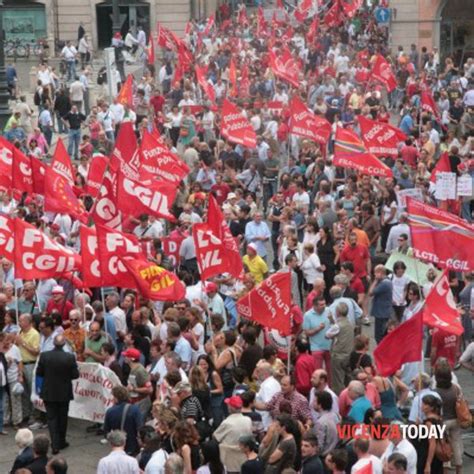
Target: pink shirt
{"type": "Point", "coordinates": [345, 402]}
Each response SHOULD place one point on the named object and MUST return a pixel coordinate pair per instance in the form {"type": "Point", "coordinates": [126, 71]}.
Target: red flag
{"type": "Point", "coordinates": [235, 127]}
{"type": "Point", "coordinates": [269, 303]}
{"type": "Point", "coordinates": [203, 82]}
{"type": "Point", "coordinates": [218, 226]}
{"type": "Point", "coordinates": [151, 51]}
{"type": "Point", "coordinates": [313, 29]}
{"type": "Point", "coordinates": [59, 197]}
{"type": "Point", "coordinates": [152, 197]}
{"type": "Point", "coordinates": [38, 256]}
{"type": "Point", "coordinates": [429, 105]}
{"type": "Point", "coordinates": [188, 28]}
{"type": "Point", "coordinates": [112, 246]}
{"type": "Point", "coordinates": [91, 275]}
{"type": "Point", "coordinates": [6, 163]}
{"type": "Point", "coordinates": [7, 242]}
{"type": "Point", "coordinates": [154, 282]}
{"type": "Point", "coordinates": [95, 174]}
{"type": "Point", "coordinates": [166, 38]}
{"type": "Point", "coordinates": [105, 210]}
{"type": "Point", "coordinates": [284, 66]}
{"type": "Point", "coordinates": [22, 175]}
{"type": "Point", "coordinates": [61, 163]}
{"type": "Point", "coordinates": [381, 139]}
{"type": "Point", "coordinates": [404, 344]}
{"type": "Point", "coordinates": [39, 174]}
{"type": "Point", "coordinates": [170, 245]}
{"type": "Point", "coordinates": [365, 163]}
{"type": "Point", "coordinates": [158, 161]}
{"type": "Point", "coordinates": [233, 78]}
{"type": "Point", "coordinates": [440, 309]}
{"type": "Point", "coordinates": [210, 23]}
{"type": "Point", "coordinates": [306, 124]}
{"type": "Point", "coordinates": [333, 17]}
{"type": "Point", "coordinates": [261, 23]}
{"type": "Point", "coordinates": [185, 57]}
{"type": "Point", "coordinates": [209, 251]}
{"type": "Point", "coordinates": [125, 96]}
{"type": "Point", "coordinates": [347, 142]}
{"type": "Point", "coordinates": [443, 165]}
{"type": "Point", "coordinates": [382, 71]}
{"type": "Point", "coordinates": [304, 10]}
{"type": "Point", "coordinates": [440, 237]}
{"type": "Point", "coordinates": [125, 156]}
{"type": "Point", "coordinates": [350, 9]}
{"type": "Point", "coordinates": [242, 19]}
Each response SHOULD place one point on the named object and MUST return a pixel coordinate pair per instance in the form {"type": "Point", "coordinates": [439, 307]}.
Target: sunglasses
{"type": "Point", "coordinates": [74, 320]}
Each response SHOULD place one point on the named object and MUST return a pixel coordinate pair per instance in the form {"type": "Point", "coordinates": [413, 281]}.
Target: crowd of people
{"type": "Point", "coordinates": [203, 389]}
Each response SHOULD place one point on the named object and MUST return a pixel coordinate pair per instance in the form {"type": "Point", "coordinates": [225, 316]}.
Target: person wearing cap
{"type": "Point", "coordinates": [189, 405]}
{"type": "Point", "coordinates": [58, 369]}
{"type": "Point", "coordinates": [59, 304]}
{"type": "Point", "coordinates": [139, 383]}
{"type": "Point", "coordinates": [255, 264]}
{"type": "Point", "coordinates": [230, 431]}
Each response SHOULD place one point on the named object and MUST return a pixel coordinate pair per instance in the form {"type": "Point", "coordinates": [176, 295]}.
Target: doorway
{"type": "Point", "coordinates": [132, 15]}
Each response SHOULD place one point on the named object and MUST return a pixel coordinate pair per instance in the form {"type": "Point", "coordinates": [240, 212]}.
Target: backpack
{"type": "Point", "coordinates": [101, 78]}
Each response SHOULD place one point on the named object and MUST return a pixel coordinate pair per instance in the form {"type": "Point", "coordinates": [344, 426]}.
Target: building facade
{"type": "Point", "coordinates": [52, 20]}
{"type": "Point", "coordinates": [445, 24]}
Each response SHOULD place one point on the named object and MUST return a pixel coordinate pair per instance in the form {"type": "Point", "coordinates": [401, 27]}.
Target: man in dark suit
{"type": "Point", "coordinates": [58, 369]}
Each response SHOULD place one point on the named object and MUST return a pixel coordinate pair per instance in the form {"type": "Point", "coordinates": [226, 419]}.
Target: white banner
{"type": "Point", "coordinates": [414, 193]}
{"type": "Point", "coordinates": [92, 392]}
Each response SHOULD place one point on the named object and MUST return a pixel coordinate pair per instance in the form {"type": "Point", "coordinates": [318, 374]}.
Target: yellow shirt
{"type": "Point", "coordinates": [257, 267]}
{"type": "Point", "coordinates": [32, 338]}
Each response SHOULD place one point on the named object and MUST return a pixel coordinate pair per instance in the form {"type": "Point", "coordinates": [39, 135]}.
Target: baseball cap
{"type": "Point", "coordinates": [181, 386]}
{"type": "Point", "coordinates": [132, 353]}
{"type": "Point", "coordinates": [231, 196]}
{"type": "Point", "coordinates": [211, 286]}
{"type": "Point", "coordinates": [253, 247]}
{"type": "Point", "coordinates": [57, 290]}
{"type": "Point", "coordinates": [234, 402]}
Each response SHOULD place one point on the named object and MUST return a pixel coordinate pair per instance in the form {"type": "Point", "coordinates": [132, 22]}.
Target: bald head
{"type": "Point", "coordinates": [59, 341]}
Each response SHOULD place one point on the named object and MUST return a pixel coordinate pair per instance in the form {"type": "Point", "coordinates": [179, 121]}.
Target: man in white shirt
{"type": "Point", "coordinates": [319, 381]}
{"type": "Point", "coordinates": [112, 301]}
{"type": "Point", "coordinates": [69, 54]}
{"type": "Point", "coordinates": [402, 446]}
{"type": "Point", "coordinates": [262, 148]}
{"type": "Point", "coordinates": [145, 230]}
{"type": "Point", "coordinates": [301, 197]}
{"type": "Point", "coordinates": [141, 37]}
{"type": "Point", "coordinates": [269, 385]}
{"type": "Point", "coordinates": [117, 460]}
{"type": "Point", "coordinates": [361, 449]}
{"type": "Point", "coordinates": [281, 96]}
{"type": "Point", "coordinates": [396, 231]}
{"type": "Point", "coordinates": [107, 119]}
{"type": "Point", "coordinates": [422, 387]}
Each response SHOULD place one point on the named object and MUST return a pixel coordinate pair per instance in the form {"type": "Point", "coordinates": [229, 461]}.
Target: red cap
{"type": "Point", "coordinates": [133, 354]}
{"type": "Point", "coordinates": [211, 286]}
{"type": "Point", "coordinates": [234, 402]}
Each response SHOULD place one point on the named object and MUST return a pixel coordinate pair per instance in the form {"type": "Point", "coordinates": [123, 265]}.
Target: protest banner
{"type": "Point", "coordinates": [92, 392]}
{"type": "Point", "coordinates": [402, 195]}
{"type": "Point", "coordinates": [416, 271]}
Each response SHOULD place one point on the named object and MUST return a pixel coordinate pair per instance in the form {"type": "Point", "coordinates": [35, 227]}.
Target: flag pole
{"type": "Point", "coordinates": [103, 304]}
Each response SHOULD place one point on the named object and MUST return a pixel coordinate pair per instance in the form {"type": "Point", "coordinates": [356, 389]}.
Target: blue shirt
{"type": "Point", "coordinates": [355, 311]}
{"type": "Point", "coordinates": [312, 320]}
{"type": "Point", "coordinates": [382, 301]}
{"type": "Point", "coordinates": [253, 230]}
{"type": "Point", "coordinates": [406, 125]}
{"type": "Point", "coordinates": [359, 407]}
